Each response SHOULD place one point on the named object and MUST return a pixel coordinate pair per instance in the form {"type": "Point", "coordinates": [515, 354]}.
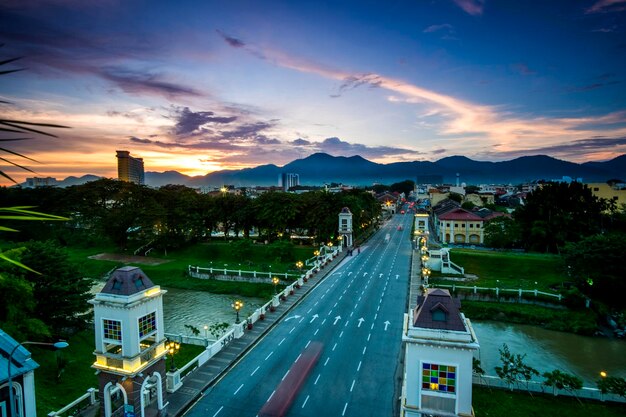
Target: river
{"type": "Point", "coordinates": [199, 308]}
{"type": "Point", "coordinates": [547, 350]}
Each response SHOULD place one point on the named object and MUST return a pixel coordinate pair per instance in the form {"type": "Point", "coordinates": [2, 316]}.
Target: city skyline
{"type": "Point", "coordinates": [203, 86]}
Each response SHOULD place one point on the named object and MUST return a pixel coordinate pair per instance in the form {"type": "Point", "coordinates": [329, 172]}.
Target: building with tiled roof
{"type": "Point", "coordinates": [439, 347]}
{"type": "Point", "coordinates": [460, 226]}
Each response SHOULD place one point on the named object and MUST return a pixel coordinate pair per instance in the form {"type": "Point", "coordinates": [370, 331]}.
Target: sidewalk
{"type": "Point", "coordinates": [197, 381]}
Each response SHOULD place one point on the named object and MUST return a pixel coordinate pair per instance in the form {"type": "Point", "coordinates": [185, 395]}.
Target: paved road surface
{"type": "Point", "coordinates": [356, 312]}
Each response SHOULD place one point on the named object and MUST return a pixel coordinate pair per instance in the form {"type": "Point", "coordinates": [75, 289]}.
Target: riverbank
{"type": "Point", "coordinates": [565, 320]}
{"type": "Point", "coordinates": [504, 403]}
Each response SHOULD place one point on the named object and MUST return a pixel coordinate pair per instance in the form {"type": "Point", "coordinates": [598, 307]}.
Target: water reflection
{"type": "Point", "coordinates": [199, 308]}
{"type": "Point", "coordinates": [547, 350]}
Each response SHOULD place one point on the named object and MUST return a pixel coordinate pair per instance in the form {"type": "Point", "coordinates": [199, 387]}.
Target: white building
{"type": "Point", "coordinates": [22, 368]}
{"type": "Point", "coordinates": [439, 347]}
{"type": "Point", "coordinates": [130, 344]}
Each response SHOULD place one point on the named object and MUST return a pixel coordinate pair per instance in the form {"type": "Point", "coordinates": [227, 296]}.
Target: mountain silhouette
{"type": "Point", "coordinates": [320, 168]}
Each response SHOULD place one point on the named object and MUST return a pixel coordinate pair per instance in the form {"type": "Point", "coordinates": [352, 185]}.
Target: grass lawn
{"type": "Point", "coordinates": [173, 273]}
{"type": "Point", "coordinates": [502, 403]}
{"type": "Point", "coordinates": [508, 269]}
{"type": "Point", "coordinates": [78, 376]}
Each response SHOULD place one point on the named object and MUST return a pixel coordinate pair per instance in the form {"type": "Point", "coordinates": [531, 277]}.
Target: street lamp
{"type": "Point", "coordinates": [299, 264]}
{"type": "Point", "coordinates": [603, 374]}
{"type": "Point", "coordinates": [275, 281]}
{"type": "Point", "coordinates": [57, 345]}
{"type": "Point", "coordinates": [206, 331]}
{"type": "Point", "coordinates": [237, 306]}
{"type": "Point", "coordinates": [172, 348]}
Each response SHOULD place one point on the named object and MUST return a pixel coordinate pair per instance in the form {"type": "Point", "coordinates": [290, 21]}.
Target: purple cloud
{"type": "Point", "coordinates": [607, 6]}
{"type": "Point", "coordinates": [353, 81]}
{"type": "Point", "coordinates": [232, 41]}
{"type": "Point", "coordinates": [335, 145]}
{"type": "Point", "coordinates": [473, 7]}
{"type": "Point", "coordinates": [301, 142]}
{"type": "Point", "coordinates": [188, 122]}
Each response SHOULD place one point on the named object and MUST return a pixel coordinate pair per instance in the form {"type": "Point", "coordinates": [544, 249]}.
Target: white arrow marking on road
{"type": "Point", "coordinates": [349, 273]}
{"type": "Point", "coordinates": [380, 275]}
{"type": "Point", "coordinates": [387, 323]}
{"type": "Point", "coordinates": [314, 317]}
{"type": "Point", "coordinates": [365, 273]}
{"type": "Point", "coordinates": [361, 320]}
{"type": "Point", "coordinates": [292, 317]}
{"type": "Point", "coordinates": [337, 319]}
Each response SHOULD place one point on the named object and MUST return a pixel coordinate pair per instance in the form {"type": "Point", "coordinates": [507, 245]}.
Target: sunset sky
{"type": "Point", "coordinates": [198, 86]}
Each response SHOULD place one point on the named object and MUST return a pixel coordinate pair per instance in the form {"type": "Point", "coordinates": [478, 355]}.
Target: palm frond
{"type": "Point", "coordinates": [17, 263]}
{"type": "Point", "coordinates": [17, 154]}
{"type": "Point", "coordinates": [23, 126]}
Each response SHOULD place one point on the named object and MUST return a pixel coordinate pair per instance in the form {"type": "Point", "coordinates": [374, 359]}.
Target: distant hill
{"type": "Point", "coordinates": [322, 168]}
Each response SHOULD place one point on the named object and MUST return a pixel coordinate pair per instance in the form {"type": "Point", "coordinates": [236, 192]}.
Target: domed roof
{"type": "Point", "coordinates": [346, 210]}
{"type": "Point", "coordinates": [127, 280]}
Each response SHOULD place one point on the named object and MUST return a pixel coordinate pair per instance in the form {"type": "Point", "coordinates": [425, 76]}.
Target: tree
{"type": "Point", "coordinates": [562, 380]}
{"type": "Point", "coordinates": [612, 385]}
{"type": "Point", "coordinates": [558, 213]}
{"type": "Point", "coordinates": [597, 265]}
{"type": "Point", "coordinates": [406, 187]}
{"type": "Point", "coordinates": [59, 290]}
{"type": "Point", "coordinates": [513, 369]}
{"type": "Point", "coordinates": [501, 232]}
{"type": "Point", "coordinates": [456, 197]}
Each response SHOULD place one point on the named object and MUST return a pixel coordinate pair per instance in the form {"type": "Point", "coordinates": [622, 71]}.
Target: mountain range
{"type": "Point", "coordinates": [322, 168]}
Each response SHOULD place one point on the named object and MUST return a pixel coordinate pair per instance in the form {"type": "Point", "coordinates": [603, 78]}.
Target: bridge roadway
{"type": "Point", "coordinates": [356, 312]}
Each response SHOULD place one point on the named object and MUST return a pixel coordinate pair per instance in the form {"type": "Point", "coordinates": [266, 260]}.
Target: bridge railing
{"type": "Point", "coordinates": [175, 378]}
{"type": "Point", "coordinates": [520, 292]}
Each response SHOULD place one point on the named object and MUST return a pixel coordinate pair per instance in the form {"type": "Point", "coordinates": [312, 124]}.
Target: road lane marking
{"type": "Point", "coordinates": [378, 309]}
{"type": "Point", "coordinates": [335, 304]}
{"type": "Point", "coordinates": [372, 326]}
{"type": "Point", "coordinates": [323, 321]}
{"type": "Point", "coordinates": [307, 345]}
{"type": "Point", "coordinates": [268, 356]}
{"type": "Point", "coordinates": [297, 358]}
{"type": "Point", "coordinates": [344, 409]}
{"type": "Point", "coordinates": [347, 321]}
{"type": "Point", "coordinates": [358, 368]}
{"type": "Point", "coordinates": [301, 320]}
{"type": "Point", "coordinates": [341, 334]}
{"type": "Point", "coordinates": [352, 386]}
{"type": "Point", "coordinates": [327, 359]}
{"type": "Point", "coordinates": [368, 337]}
{"type": "Point", "coordinates": [364, 349]}
{"type": "Point", "coordinates": [310, 309]}
{"type": "Point", "coordinates": [334, 347]}
{"type": "Point", "coordinates": [292, 330]}
{"type": "Point", "coordinates": [240, 387]}
{"type": "Point", "coordinates": [375, 316]}
{"type": "Point", "coordinates": [254, 372]}
{"type": "Point", "coordinates": [281, 342]}
{"type": "Point", "coordinates": [315, 334]}
{"type": "Point", "coordinates": [271, 395]}
{"type": "Point", "coordinates": [285, 376]}
{"type": "Point", "coordinates": [352, 314]}
{"type": "Point", "coordinates": [306, 399]}
{"type": "Point", "coordinates": [316, 379]}
{"type": "Point", "coordinates": [218, 411]}
{"type": "Point", "coordinates": [340, 297]}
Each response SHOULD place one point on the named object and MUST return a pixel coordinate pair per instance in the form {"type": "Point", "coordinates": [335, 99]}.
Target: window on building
{"type": "Point", "coordinates": [439, 315]}
{"type": "Point", "coordinates": [471, 225]}
{"type": "Point", "coordinates": [441, 378]}
{"type": "Point", "coordinates": [147, 325]}
{"type": "Point", "coordinates": [596, 189]}
{"type": "Point", "coordinates": [112, 330]}
{"type": "Point", "coordinates": [478, 226]}
{"type": "Point", "coordinates": [447, 224]}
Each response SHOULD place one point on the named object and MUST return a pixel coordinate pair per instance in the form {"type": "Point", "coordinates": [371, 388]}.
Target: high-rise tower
{"type": "Point", "coordinates": [129, 169]}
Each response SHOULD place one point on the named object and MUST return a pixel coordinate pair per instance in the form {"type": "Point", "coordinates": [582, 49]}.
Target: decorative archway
{"type": "Point", "coordinates": [18, 397]}
{"type": "Point", "coordinates": [109, 390]}
{"type": "Point", "coordinates": [153, 381]}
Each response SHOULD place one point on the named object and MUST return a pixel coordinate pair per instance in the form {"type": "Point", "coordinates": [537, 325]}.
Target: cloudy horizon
{"type": "Point", "coordinates": [198, 87]}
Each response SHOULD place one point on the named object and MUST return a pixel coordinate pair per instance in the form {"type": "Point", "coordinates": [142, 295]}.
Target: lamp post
{"type": "Point", "coordinates": [206, 331]}
{"type": "Point", "coordinates": [237, 306]}
{"type": "Point", "coordinates": [57, 345]}
{"type": "Point", "coordinates": [172, 348]}
{"type": "Point", "coordinates": [299, 265]}
{"type": "Point", "coordinates": [275, 281]}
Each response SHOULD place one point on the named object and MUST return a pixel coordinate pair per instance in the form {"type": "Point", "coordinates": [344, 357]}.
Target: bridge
{"type": "Point", "coordinates": [354, 317]}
